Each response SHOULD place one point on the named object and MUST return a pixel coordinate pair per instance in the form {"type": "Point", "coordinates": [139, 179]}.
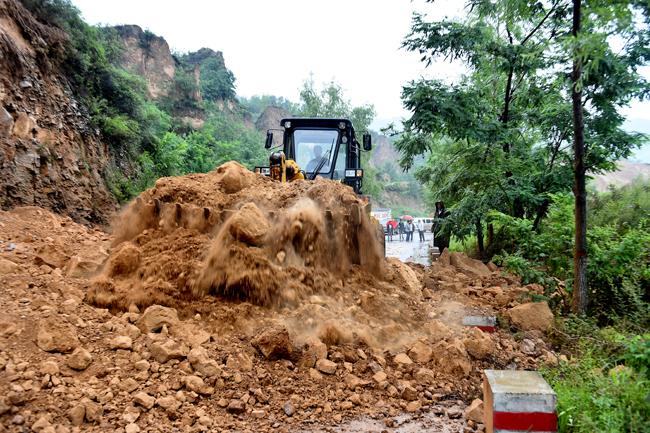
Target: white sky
{"type": "Point", "coordinates": [273, 46]}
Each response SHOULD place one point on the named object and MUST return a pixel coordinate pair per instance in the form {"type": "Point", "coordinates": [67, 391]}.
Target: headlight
{"type": "Point", "coordinates": [341, 125]}
{"type": "Point", "coordinates": [287, 124]}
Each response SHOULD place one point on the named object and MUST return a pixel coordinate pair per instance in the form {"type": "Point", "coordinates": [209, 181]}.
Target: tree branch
{"type": "Point", "coordinates": [537, 27]}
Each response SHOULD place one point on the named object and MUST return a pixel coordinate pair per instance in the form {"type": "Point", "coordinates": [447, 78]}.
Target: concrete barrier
{"type": "Point", "coordinates": [518, 401]}
{"type": "Point", "coordinates": [484, 323]}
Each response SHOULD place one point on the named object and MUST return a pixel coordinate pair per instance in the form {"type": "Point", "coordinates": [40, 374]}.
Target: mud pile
{"type": "Point", "coordinates": [238, 235]}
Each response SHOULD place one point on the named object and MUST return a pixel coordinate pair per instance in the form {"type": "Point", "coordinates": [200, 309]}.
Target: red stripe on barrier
{"type": "Point", "coordinates": [487, 328]}
{"type": "Point", "coordinates": [527, 421]}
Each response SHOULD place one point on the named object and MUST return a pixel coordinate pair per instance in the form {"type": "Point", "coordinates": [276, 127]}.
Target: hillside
{"type": "Point", "coordinates": [627, 172]}
{"type": "Point", "coordinates": [90, 116]}
{"type": "Point", "coordinates": [52, 155]}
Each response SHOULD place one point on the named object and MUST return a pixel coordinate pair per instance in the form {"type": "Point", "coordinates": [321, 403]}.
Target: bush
{"type": "Point", "coordinates": [605, 387]}
{"type": "Point", "coordinates": [618, 268]}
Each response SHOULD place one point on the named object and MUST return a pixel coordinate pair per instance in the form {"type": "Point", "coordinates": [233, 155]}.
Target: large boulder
{"type": "Point", "coordinates": [249, 225]}
{"type": "Point", "coordinates": [478, 344]}
{"type": "Point", "coordinates": [533, 316]}
{"type": "Point", "coordinates": [469, 266]}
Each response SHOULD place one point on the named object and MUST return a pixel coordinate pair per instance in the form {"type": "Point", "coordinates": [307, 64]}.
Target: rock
{"type": "Point", "coordinates": [56, 336]}
{"type": "Point", "coordinates": [80, 359]}
{"type": "Point", "coordinates": [18, 420]}
{"type": "Point", "coordinates": [144, 400]}
{"type": "Point", "coordinates": [469, 266]}
{"type": "Point", "coordinates": [249, 225]}
{"type": "Point", "coordinates": [132, 428]}
{"type": "Point", "coordinates": [402, 359]}
{"type": "Point", "coordinates": [475, 411]}
{"type": "Point", "coordinates": [353, 382]}
{"type": "Point", "coordinates": [313, 350]}
{"type": "Point", "coordinates": [40, 424]}
{"type": "Point", "coordinates": [289, 408]}
{"type": "Point", "coordinates": [4, 407]}
{"type": "Point", "coordinates": [528, 346]}
{"type": "Point", "coordinates": [80, 267]}
{"type": "Point", "coordinates": [326, 366]}
{"type": "Point", "coordinates": [355, 399]}
{"type": "Point", "coordinates": [425, 376]}
{"type": "Point", "coordinates": [239, 361]}
{"type": "Point", "coordinates": [6, 124]}
{"type": "Point", "coordinates": [121, 342]}
{"type": "Point", "coordinates": [234, 177]}
{"type": "Point", "coordinates": [452, 357]}
{"type": "Point", "coordinates": [492, 267]}
{"type": "Point", "coordinates": [49, 367]}
{"type": "Point", "coordinates": [155, 316]}
{"type": "Point", "coordinates": [273, 343]}
{"type": "Point", "coordinates": [94, 411]}
{"type": "Point", "coordinates": [236, 406]}
{"type": "Point", "coordinates": [415, 405]}
{"type": "Point", "coordinates": [129, 384]}
{"type": "Point", "coordinates": [478, 344]}
{"type": "Point", "coordinates": [198, 358]}
{"type": "Point", "coordinates": [7, 267]}
{"type": "Point", "coordinates": [196, 384]}
{"type": "Point", "coordinates": [380, 376]}
{"type": "Point", "coordinates": [170, 349]}
{"type": "Point", "coordinates": [533, 316]}
{"type": "Point", "coordinates": [169, 403]}
{"type": "Point", "coordinates": [77, 414]}
{"type": "Point", "coordinates": [409, 393]}
{"type": "Point", "coordinates": [421, 352]}
{"type": "Point", "coordinates": [24, 126]}
{"type": "Point", "coordinates": [142, 365]}
{"type": "Point", "coordinates": [454, 412]}
{"type": "Point", "coordinates": [258, 413]}
{"type": "Point", "coordinates": [315, 375]}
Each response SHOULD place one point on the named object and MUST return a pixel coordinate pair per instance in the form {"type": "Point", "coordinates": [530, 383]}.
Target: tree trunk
{"type": "Point", "coordinates": [479, 237]}
{"type": "Point", "coordinates": [579, 190]}
{"type": "Point", "coordinates": [541, 212]}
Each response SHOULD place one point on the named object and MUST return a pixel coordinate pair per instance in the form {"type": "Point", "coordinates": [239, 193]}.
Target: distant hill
{"type": "Point", "coordinates": [627, 172]}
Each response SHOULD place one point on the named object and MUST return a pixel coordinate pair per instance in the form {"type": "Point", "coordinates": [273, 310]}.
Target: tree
{"type": "Point", "coordinates": [500, 137]}
{"type": "Point", "coordinates": [579, 174]}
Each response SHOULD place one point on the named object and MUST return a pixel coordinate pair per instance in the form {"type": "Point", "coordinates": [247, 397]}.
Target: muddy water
{"type": "Point", "coordinates": [403, 423]}
{"type": "Point", "coordinates": [414, 251]}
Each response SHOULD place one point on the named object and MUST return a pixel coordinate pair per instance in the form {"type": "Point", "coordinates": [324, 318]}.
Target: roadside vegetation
{"type": "Point", "coordinates": [499, 148]}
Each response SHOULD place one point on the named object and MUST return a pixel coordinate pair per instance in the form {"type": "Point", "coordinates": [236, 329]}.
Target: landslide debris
{"type": "Point", "coordinates": [176, 321]}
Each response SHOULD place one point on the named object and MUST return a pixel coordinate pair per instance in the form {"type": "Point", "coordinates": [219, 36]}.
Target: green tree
{"type": "Point", "coordinates": [500, 137]}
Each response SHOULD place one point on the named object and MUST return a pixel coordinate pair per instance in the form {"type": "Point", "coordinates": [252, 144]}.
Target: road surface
{"type": "Point", "coordinates": [414, 251]}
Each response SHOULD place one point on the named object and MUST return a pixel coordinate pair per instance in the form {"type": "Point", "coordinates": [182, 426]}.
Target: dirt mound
{"type": "Point", "coordinates": [239, 235]}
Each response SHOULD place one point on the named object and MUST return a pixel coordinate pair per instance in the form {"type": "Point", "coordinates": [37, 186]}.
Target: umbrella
{"type": "Point", "coordinates": [393, 223]}
{"type": "Point", "coordinates": [406, 217]}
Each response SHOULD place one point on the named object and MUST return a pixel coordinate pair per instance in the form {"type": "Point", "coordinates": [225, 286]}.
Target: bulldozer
{"type": "Point", "coordinates": [317, 147]}
{"type": "Point", "coordinates": [320, 147]}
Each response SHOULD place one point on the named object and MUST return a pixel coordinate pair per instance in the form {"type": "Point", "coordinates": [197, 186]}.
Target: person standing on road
{"type": "Point", "coordinates": [389, 231]}
{"type": "Point", "coordinates": [411, 229]}
{"type": "Point", "coordinates": [421, 230]}
{"type": "Point", "coordinates": [400, 230]}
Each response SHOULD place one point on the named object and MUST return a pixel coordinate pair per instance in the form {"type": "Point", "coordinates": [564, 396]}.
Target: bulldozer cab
{"type": "Point", "coordinates": [322, 148]}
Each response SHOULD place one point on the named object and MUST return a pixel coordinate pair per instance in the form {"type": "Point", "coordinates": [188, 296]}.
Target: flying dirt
{"type": "Point", "coordinates": [228, 302]}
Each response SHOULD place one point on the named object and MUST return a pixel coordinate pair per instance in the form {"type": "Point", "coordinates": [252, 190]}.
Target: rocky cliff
{"type": "Point", "coordinates": [49, 155]}
{"type": "Point", "coordinates": [149, 56]}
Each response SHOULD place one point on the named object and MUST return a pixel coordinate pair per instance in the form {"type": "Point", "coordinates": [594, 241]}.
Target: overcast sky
{"type": "Point", "coordinates": [273, 46]}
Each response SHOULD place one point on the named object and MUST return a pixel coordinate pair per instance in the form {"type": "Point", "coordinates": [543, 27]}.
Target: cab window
{"type": "Point", "coordinates": [315, 148]}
